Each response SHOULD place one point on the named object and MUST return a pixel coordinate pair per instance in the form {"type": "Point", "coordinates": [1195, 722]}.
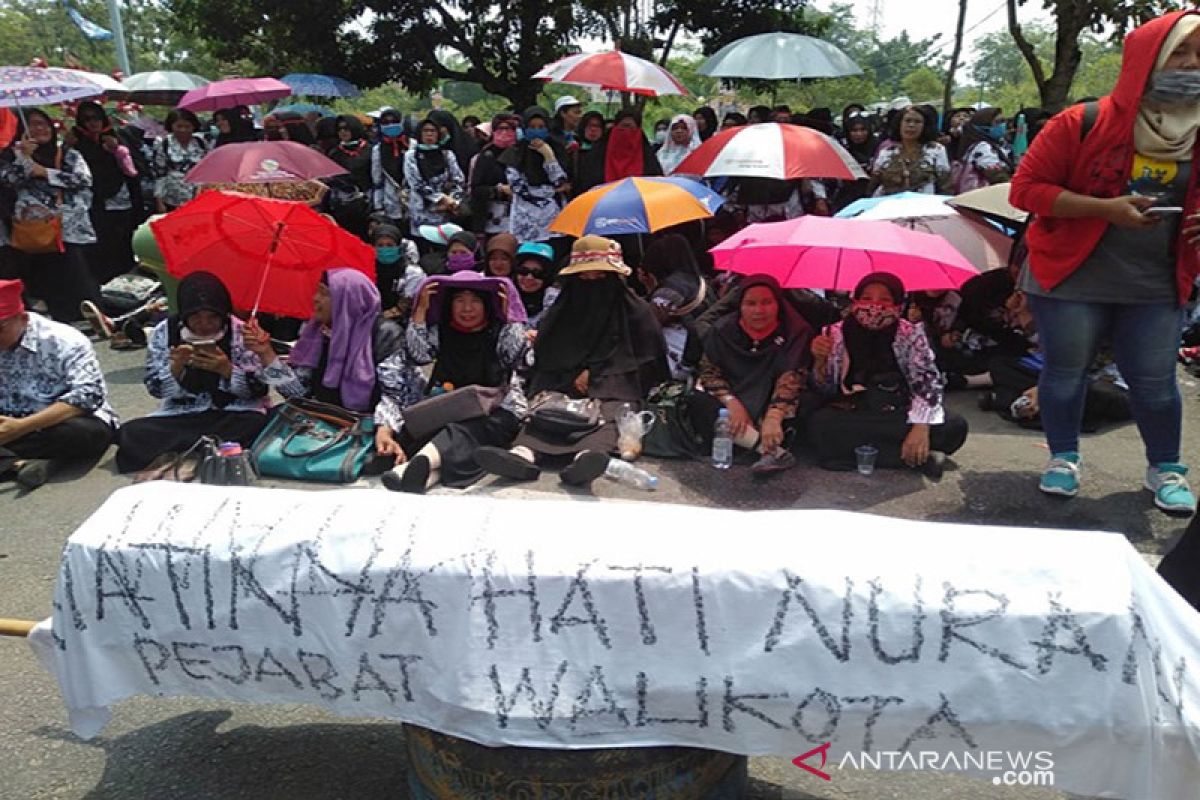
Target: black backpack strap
{"type": "Point", "coordinates": [1090, 113]}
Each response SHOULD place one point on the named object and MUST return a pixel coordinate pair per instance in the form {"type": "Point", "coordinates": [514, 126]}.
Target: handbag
{"type": "Point", "coordinates": [313, 441]}
{"type": "Point", "coordinates": [672, 435]}
{"type": "Point", "coordinates": [430, 415]}
{"type": "Point", "coordinates": [556, 415]}
{"type": "Point", "coordinates": [37, 228]}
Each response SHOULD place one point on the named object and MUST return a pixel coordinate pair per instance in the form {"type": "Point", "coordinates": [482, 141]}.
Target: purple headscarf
{"type": "Point", "coordinates": [350, 367]}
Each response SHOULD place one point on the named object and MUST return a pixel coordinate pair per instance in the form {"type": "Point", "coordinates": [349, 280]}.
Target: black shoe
{"type": "Point", "coordinates": [987, 401]}
{"type": "Point", "coordinates": [33, 473]}
{"type": "Point", "coordinates": [955, 381]}
{"type": "Point", "coordinates": [587, 466]}
{"type": "Point", "coordinates": [506, 464]}
{"type": "Point", "coordinates": [415, 479]}
{"type": "Point", "coordinates": [134, 331]}
{"type": "Point", "coordinates": [934, 465]}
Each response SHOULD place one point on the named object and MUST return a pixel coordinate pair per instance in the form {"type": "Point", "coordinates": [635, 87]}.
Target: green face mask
{"type": "Point", "coordinates": [388, 254]}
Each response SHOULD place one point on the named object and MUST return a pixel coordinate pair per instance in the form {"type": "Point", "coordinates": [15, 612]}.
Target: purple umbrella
{"type": "Point", "coordinates": [39, 86]}
{"type": "Point", "coordinates": [233, 93]}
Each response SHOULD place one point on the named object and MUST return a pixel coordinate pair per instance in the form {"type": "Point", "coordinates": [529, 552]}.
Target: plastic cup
{"type": "Point", "coordinates": [866, 458]}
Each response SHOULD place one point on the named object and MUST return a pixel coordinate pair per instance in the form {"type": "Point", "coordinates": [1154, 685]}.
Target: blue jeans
{"type": "Point", "coordinates": [1145, 340]}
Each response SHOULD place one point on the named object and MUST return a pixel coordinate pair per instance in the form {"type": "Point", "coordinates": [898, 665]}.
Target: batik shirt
{"type": "Point", "coordinates": [171, 163]}
{"type": "Point", "coordinates": [423, 194]}
{"type": "Point", "coordinates": [53, 363]}
{"type": "Point", "coordinates": [534, 207]}
{"type": "Point", "coordinates": [73, 179]}
{"type": "Point", "coordinates": [250, 394]}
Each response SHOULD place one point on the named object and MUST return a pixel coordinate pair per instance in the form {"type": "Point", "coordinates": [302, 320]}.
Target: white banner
{"type": "Point", "coordinates": [871, 641]}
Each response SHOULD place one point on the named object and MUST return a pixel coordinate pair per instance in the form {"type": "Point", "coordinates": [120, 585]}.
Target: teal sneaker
{"type": "Point", "coordinates": [1061, 476]}
{"type": "Point", "coordinates": [1170, 487]}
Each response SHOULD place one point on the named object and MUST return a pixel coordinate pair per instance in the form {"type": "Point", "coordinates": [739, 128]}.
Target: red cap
{"type": "Point", "coordinates": [11, 303]}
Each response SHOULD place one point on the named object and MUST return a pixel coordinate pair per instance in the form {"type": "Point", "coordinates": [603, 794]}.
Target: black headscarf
{"type": "Point", "coordinates": [240, 128]}
{"type": "Point", "coordinates": [45, 154]}
{"type": "Point", "coordinates": [751, 367]}
{"type": "Point", "coordinates": [973, 133]}
{"type": "Point", "coordinates": [392, 148]}
{"type": "Point", "coordinates": [871, 353]}
{"type": "Point", "coordinates": [711, 123]}
{"type": "Point", "coordinates": [107, 177]}
{"type": "Point", "coordinates": [203, 291]}
{"type": "Point", "coordinates": [535, 301]}
{"type": "Point", "coordinates": [468, 358]}
{"type": "Point", "coordinates": [603, 327]}
{"type": "Point", "coordinates": [863, 153]}
{"type": "Point", "coordinates": [524, 158]}
{"type": "Point", "coordinates": [430, 163]}
{"type": "Point", "coordinates": [462, 144]}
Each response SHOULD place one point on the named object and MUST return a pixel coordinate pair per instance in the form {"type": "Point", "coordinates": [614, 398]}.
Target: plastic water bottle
{"type": "Point", "coordinates": [627, 474]}
{"type": "Point", "coordinates": [233, 465]}
{"type": "Point", "coordinates": [722, 447]}
{"type": "Point", "coordinates": [445, 387]}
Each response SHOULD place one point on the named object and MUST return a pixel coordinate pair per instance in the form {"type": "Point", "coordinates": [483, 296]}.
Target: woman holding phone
{"type": "Point", "coordinates": [1108, 258]}
{"type": "Point", "coordinates": [199, 367]}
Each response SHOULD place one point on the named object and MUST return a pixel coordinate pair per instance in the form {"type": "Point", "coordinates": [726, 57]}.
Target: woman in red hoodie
{"type": "Point", "coordinates": [1108, 258]}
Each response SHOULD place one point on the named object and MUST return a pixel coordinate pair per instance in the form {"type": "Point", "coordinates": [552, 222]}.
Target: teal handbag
{"type": "Point", "coordinates": [307, 440]}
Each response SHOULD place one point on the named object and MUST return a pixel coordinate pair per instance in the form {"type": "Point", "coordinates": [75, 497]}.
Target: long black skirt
{"type": "Point", "coordinates": [834, 433]}
{"type": "Point", "coordinates": [457, 442]}
{"type": "Point", "coordinates": [140, 441]}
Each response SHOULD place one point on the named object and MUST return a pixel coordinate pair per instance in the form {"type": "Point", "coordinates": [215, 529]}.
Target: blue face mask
{"type": "Point", "coordinates": [996, 131]}
{"type": "Point", "coordinates": [392, 130]}
{"type": "Point", "coordinates": [537, 133]}
{"type": "Point", "coordinates": [387, 254]}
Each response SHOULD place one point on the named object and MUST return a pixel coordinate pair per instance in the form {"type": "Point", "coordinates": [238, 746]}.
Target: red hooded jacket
{"type": "Point", "coordinates": [1100, 166]}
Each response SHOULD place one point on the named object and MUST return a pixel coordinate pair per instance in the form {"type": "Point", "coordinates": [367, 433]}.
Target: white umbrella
{"type": "Point", "coordinates": [613, 71]}
{"type": "Point", "coordinates": [161, 87]}
{"type": "Point", "coordinates": [779, 56]}
{"type": "Point", "coordinates": [35, 86]}
{"type": "Point", "coordinates": [112, 87]}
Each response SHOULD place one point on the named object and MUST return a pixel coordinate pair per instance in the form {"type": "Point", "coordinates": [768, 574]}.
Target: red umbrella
{"type": "Point", "coordinates": [771, 150]}
{"type": "Point", "coordinates": [263, 162]}
{"type": "Point", "coordinates": [615, 71]}
{"type": "Point", "coordinates": [233, 93]}
{"type": "Point", "coordinates": [242, 239]}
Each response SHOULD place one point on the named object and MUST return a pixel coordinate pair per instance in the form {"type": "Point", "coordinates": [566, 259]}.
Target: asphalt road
{"type": "Point", "coordinates": [157, 749]}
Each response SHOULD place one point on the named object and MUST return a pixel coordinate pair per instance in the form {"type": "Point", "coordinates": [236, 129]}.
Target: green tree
{"type": "Point", "coordinates": [1073, 18]}
{"type": "Point", "coordinates": [922, 85]}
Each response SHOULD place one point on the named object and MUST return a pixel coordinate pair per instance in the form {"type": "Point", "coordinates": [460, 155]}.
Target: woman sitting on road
{"type": "Point", "coordinates": [337, 358]}
{"type": "Point", "coordinates": [535, 280]}
{"type": "Point", "coordinates": [883, 385]}
{"type": "Point", "coordinates": [460, 326]}
{"type": "Point", "coordinates": [206, 377]}
{"type": "Point", "coordinates": [755, 365]}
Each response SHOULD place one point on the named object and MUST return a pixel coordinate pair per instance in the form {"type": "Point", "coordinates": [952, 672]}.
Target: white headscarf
{"type": "Point", "coordinates": [670, 154]}
{"type": "Point", "coordinates": [1168, 132]}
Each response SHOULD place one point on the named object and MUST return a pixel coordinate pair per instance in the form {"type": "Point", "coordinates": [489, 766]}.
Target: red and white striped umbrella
{"type": "Point", "coordinates": [613, 71]}
{"type": "Point", "coordinates": [772, 150]}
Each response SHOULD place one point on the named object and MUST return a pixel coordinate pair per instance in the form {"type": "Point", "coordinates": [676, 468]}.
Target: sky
{"type": "Point", "coordinates": [925, 18]}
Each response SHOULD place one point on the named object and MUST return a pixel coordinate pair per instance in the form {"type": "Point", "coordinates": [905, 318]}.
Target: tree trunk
{"type": "Point", "coordinates": [1071, 18]}
{"type": "Point", "coordinates": [948, 92]}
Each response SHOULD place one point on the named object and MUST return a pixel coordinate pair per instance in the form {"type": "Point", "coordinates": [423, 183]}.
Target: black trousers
{"type": "Point", "coordinates": [140, 441]}
{"type": "Point", "coordinates": [76, 439]}
{"type": "Point", "coordinates": [1181, 566]}
{"type": "Point", "coordinates": [61, 280]}
{"type": "Point", "coordinates": [834, 433]}
{"type": "Point", "coordinates": [112, 254]}
{"type": "Point", "coordinates": [1105, 402]}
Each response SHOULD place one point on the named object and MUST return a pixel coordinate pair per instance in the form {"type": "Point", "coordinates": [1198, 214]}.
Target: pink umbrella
{"type": "Point", "coordinates": [615, 71]}
{"type": "Point", "coordinates": [234, 92]}
{"type": "Point", "coordinates": [263, 162]}
{"type": "Point", "coordinates": [771, 150]}
{"type": "Point", "coordinates": [829, 253]}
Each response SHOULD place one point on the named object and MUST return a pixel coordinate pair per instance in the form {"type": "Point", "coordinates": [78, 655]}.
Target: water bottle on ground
{"type": "Point", "coordinates": [234, 468]}
{"type": "Point", "coordinates": [627, 474]}
{"type": "Point", "coordinates": [722, 445]}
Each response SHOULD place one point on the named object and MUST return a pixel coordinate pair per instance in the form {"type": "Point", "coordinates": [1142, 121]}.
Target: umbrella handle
{"type": "Point", "coordinates": [262, 284]}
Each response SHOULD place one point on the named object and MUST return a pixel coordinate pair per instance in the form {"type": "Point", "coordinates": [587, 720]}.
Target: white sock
{"type": "Point", "coordinates": [524, 452]}
{"type": "Point", "coordinates": [435, 458]}
{"type": "Point", "coordinates": [747, 439]}
{"type": "Point", "coordinates": [981, 381]}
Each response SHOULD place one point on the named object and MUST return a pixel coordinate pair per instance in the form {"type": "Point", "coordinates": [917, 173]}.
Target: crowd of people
{"type": "Point", "coordinates": [473, 289]}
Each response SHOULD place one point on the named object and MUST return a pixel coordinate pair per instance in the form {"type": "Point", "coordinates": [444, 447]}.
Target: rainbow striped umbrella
{"type": "Point", "coordinates": [637, 205]}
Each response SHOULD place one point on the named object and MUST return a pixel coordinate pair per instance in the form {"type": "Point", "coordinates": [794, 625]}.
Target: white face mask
{"type": "Point", "coordinates": [186, 335]}
{"type": "Point", "coordinates": [660, 137]}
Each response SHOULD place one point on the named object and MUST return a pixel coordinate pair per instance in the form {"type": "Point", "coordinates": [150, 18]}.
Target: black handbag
{"type": "Point", "coordinates": [555, 415]}
{"type": "Point", "coordinates": [672, 435]}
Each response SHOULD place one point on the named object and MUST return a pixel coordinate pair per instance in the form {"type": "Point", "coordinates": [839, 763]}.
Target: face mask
{"type": "Point", "coordinates": [660, 137]}
{"type": "Point", "coordinates": [392, 130]}
{"type": "Point", "coordinates": [533, 134]}
{"type": "Point", "coordinates": [428, 147]}
{"type": "Point", "coordinates": [186, 335]}
{"type": "Point", "coordinates": [1175, 87]}
{"type": "Point", "coordinates": [388, 254]}
{"type": "Point", "coordinates": [444, 141]}
{"type": "Point", "coordinates": [457, 262]}
{"type": "Point", "coordinates": [874, 316]}
{"type": "Point", "coordinates": [996, 132]}
{"type": "Point", "coordinates": [504, 138]}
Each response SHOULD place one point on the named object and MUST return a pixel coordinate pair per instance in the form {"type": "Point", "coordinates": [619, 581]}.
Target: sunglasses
{"type": "Point", "coordinates": [533, 272]}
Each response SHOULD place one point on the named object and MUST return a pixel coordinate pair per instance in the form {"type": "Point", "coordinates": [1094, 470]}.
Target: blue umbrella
{"type": "Point", "coordinates": [303, 108]}
{"type": "Point", "coordinates": [868, 203]}
{"type": "Point", "coordinates": [312, 85]}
